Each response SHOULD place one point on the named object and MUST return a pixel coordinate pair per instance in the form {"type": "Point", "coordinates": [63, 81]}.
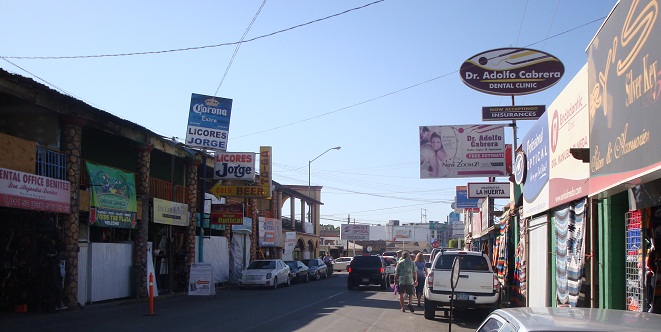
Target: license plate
{"type": "Point", "coordinates": [462, 296]}
{"type": "Point", "coordinates": [366, 279]}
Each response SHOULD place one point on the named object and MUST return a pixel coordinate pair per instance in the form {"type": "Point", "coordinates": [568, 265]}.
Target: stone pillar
{"type": "Point", "coordinates": [192, 193]}
{"type": "Point", "coordinates": [140, 243]}
{"type": "Point", "coordinates": [71, 147]}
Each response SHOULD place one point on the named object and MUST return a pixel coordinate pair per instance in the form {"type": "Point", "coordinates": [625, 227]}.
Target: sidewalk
{"type": "Point", "coordinates": [101, 316]}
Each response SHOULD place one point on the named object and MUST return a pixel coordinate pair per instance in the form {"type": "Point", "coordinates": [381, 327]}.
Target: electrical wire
{"type": "Point", "coordinates": [188, 48]}
{"type": "Point", "coordinates": [238, 45]}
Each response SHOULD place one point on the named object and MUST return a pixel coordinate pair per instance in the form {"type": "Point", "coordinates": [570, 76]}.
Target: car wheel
{"type": "Point", "coordinates": [307, 277]}
{"type": "Point", "coordinates": [383, 284]}
{"type": "Point", "coordinates": [317, 276]}
{"type": "Point", "coordinates": [288, 281]}
{"type": "Point", "coordinates": [326, 275]}
{"type": "Point", "coordinates": [275, 283]}
{"type": "Point", "coordinates": [430, 309]}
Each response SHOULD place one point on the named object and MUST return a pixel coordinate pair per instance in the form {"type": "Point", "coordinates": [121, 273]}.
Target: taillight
{"type": "Point", "coordinates": [382, 270]}
{"type": "Point", "coordinates": [430, 279]}
{"type": "Point", "coordinates": [349, 269]}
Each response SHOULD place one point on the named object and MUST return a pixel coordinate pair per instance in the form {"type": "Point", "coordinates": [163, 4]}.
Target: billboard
{"type": "Point", "coordinates": [113, 197]}
{"type": "Point", "coordinates": [208, 122]}
{"type": "Point", "coordinates": [355, 232]}
{"type": "Point", "coordinates": [459, 151]}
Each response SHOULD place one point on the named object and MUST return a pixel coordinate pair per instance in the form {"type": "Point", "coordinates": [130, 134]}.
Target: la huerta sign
{"type": "Point", "coordinates": [511, 71]}
{"type": "Point", "coordinates": [113, 202]}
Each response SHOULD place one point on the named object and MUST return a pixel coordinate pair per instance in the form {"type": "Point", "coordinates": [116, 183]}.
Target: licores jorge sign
{"type": "Point", "coordinates": [208, 122]}
{"type": "Point", "coordinates": [511, 71]}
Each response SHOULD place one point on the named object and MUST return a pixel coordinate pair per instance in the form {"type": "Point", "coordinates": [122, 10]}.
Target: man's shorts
{"type": "Point", "coordinates": [406, 289]}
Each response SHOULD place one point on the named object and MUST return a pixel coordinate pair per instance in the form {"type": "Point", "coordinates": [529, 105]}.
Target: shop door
{"type": "Point", "coordinates": [538, 263]}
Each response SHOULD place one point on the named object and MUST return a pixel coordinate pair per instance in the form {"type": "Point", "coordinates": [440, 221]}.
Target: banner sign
{"type": "Point", "coordinates": [463, 202]}
{"type": "Point", "coordinates": [511, 71]}
{"type": "Point", "coordinates": [234, 165]}
{"type": "Point", "coordinates": [489, 189]}
{"type": "Point", "coordinates": [219, 190]}
{"type": "Point", "coordinates": [355, 232]}
{"type": "Point", "coordinates": [290, 242]}
{"type": "Point", "coordinates": [34, 192]}
{"type": "Point", "coordinates": [112, 202]}
{"type": "Point", "coordinates": [208, 122]}
{"type": "Point", "coordinates": [170, 213]}
{"type": "Point", "coordinates": [270, 232]}
{"type": "Point", "coordinates": [227, 214]}
{"type": "Point", "coordinates": [499, 113]}
{"type": "Point", "coordinates": [624, 72]}
{"type": "Point", "coordinates": [265, 165]}
{"type": "Point", "coordinates": [462, 151]}
{"type": "Point", "coordinates": [402, 234]}
{"type": "Point", "coordinates": [569, 127]}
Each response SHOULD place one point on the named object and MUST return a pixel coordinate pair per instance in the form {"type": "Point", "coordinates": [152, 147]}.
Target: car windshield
{"type": "Point", "coordinates": [257, 265]}
{"type": "Point", "coordinates": [310, 262]}
{"type": "Point", "coordinates": [468, 262]}
{"type": "Point", "coordinates": [292, 264]}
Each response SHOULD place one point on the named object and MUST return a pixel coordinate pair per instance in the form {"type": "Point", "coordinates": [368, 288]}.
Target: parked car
{"type": "Point", "coordinates": [366, 270]}
{"type": "Point", "coordinates": [317, 269]}
{"type": "Point", "coordinates": [265, 273]}
{"type": "Point", "coordinates": [298, 271]}
{"type": "Point", "coordinates": [477, 287]}
{"type": "Point", "coordinates": [341, 263]}
{"type": "Point", "coordinates": [569, 319]}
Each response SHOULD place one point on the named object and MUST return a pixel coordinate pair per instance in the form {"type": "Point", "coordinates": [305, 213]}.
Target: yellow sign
{"type": "Point", "coordinates": [219, 190]}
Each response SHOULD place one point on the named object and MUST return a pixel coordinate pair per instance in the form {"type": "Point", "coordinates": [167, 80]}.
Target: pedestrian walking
{"type": "Point", "coordinates": [422, 274]}
{"type": "Point", "coordinates": [406, 278]}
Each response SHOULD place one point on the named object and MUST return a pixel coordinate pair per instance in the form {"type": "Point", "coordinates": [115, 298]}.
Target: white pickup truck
{"type": "Point", "coordinates": [477, 286]}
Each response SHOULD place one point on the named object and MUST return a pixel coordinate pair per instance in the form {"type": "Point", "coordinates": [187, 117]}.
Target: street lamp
{"type": "Point", "coordinates": [310, 162]}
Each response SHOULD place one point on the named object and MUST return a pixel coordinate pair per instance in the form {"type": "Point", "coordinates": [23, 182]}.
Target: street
{"type": "Point", "coordinates": [324, 305]}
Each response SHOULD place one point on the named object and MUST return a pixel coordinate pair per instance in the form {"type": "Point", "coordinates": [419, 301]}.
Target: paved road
{"type": "Point", "coordinates": [324, 305]}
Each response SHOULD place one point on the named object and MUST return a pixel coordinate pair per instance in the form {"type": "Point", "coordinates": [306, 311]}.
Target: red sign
{"type": "Point", "coordinates": [34, 192]}
{"type": "Point", "coordinates": [226, 214]}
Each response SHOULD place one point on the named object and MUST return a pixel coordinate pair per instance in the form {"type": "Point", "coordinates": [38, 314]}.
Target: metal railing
{"type": "Point", "coordinates": [51, 164]}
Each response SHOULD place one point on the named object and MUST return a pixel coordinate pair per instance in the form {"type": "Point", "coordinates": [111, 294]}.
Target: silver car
{"type": "Point", "coordinates": [569, 319]}
{"type": "Point", "coordinates": [341, 263]}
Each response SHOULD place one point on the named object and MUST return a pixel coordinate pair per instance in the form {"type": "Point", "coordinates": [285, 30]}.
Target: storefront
{"type": "Point", "coordinates": [32, 209]}
{"type": "Point", "coordinates": [625, 169]}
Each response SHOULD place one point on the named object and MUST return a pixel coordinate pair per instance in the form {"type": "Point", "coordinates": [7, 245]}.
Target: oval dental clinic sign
{"type": "Point", "coordinates": [511, 71]}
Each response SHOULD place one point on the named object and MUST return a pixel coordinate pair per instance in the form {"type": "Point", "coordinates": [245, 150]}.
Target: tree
{"type": "Point", "coordinates": [452, 243]}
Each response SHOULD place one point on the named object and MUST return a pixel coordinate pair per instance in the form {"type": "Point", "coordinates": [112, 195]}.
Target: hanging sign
{"type": "Point", "coordinates": [489, 189]}
{"type": "Point", "coordinates": [511, 71]}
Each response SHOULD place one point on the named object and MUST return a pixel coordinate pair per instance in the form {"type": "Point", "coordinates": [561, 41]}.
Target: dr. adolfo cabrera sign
{"type": "Point", "coordinates": [511, 71]}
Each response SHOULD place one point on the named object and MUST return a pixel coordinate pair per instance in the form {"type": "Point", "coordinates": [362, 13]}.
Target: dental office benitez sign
{"type": "Point", "coordinates": [208, 122]}
{"type": "Point", "coordinates": [234, 165]}
{"type": "Point", "coordinates": [511, 71]}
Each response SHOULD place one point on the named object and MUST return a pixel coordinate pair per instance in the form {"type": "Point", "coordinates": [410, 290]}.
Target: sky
{"type": "Point", "coordinates": [309, 76]}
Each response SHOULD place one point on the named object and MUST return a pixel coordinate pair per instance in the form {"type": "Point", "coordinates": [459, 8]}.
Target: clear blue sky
{"type": "Point", "coordinates": [364, 80]}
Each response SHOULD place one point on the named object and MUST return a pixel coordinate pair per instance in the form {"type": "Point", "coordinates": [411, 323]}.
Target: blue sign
{"type": "Point", "coordinates": [463, 202]}
{"type": "Point", "coordinates": [536, 147]}
{"type": "Point", "coordinates": [208, 122]}
{"type": "Point", "coordinates": [454, 216]}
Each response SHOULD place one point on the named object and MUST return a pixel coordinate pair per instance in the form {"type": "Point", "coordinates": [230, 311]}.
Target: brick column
{"type": "Point", "coordinates": [192, 193]}
{"type": "Point", "coordinates": [140, 243]}
{"type": "Point", "coordinates": [71, 147]}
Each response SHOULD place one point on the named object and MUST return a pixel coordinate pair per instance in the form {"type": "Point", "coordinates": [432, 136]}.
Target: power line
{"type": "Point", "coordinates": [187, 48]}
